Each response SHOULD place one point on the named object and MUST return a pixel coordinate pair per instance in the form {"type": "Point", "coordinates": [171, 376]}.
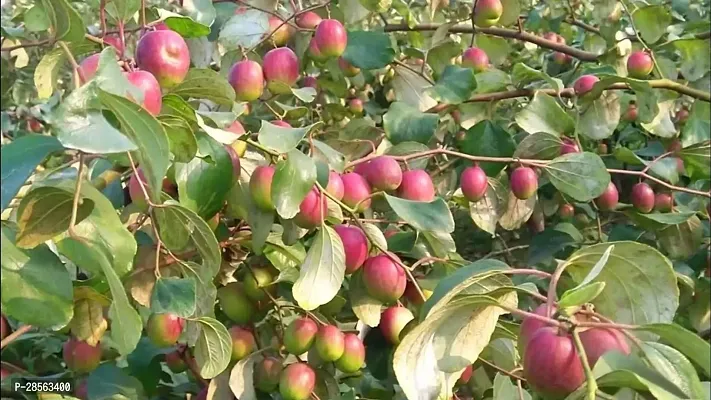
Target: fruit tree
{"type": "Point", "coordinates": [356, 199]}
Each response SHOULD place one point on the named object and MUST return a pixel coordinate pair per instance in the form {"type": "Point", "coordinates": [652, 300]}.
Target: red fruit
{"type": "Point", "coordinates": [566, 211]}
{"type": "Point", "coordinates": [175, 362]}
{"type": "Point", "coordinates": [348, 69]}
{"type": "Point", "coordinates": [281, 70]}
{"type": "Point", "coordinates": [585, 84]}
{"type": "Point", "coordinates": [310, 81]}
{"type": "Point", "coordinates": [115, 42]}
{"type": "Point", "coordinates": [297, 382]}
{"type": "Point", "coordinates": [329, 343]}
{"type": "Point", "coordinates": [355, 106]}
{"type": "Point", "coordinates": [476, 59]}
{"type": "Point", "coordinates": [355, 245]}
{"type": "Point", "coordinates": [243, 343]}
{"type": "Point", "coordinates": [675, 146]}
{"type": "Point", "coordinates": [609, 198]}
{"type": "Point", "coordinates": [4, 327]}
{"type": "Point", "coordinates": [392, 322]}
{"type": "Point", "coordinates": [282, 32]}
{"type": "Point", "coordinates": [331, 38]}
{"type": "Point", "coordinates": [89, 66]}
{"type": "Point", "coordinates": [682, 115]}
{"type": "Point", "coordinates": [416, 186]}
{"type": "Point", "coordinates": [561, 58]}
{"type": "Point", "coordinates": [551, 364]}
{"type": "Point", "coordinates": [152, 97]}
{"type": "Point", "coordinates": [165, 55]}
{"type": "Point", "coordinates": [631, 113]}
{"type": "Point", "coordinates": [383, 278]}
{"type": "Point", "coordinates": [598, 341]}
{"type": "Point", "coordinates": [383, 173]}
{"type": "Point", "coordinates": [642, 197]}
{"type": "Point", "coordinates": [524, 182]}
{"type": "Point", "coordinates": [474, 183]}
{"type": "Point", "coordinates": [335, 185]}
{"type": "Point", "coordinates": [234, 157]}
{"type": "Point", "coordinates": [80, 356]}
{"type": "Point", "coordinates": [355, 191]}
{"type": "Point", "coordinates": [315, 53]}
{"type": "Point", "coordinates": [639, 64]}
{"type": "Point", "coordinates": [300, 335]}
{"type": "Point", "coordinates": [266, 374]}
{"type": "Point", "coordinates": [530, 326]}
{"type": "Point", "coordinates": [164, 329]}
{"type": "Point", "coordinates": [235, 303]}
{"type": "Point", "coordinates": [487, 12]}
{"type": "Point", "coordinates": [312, 212]}
{"type": "Point", "coordinates": [466, 375]}
{"type": "Point", "coordinates": [260, 184]}
{"type": "Point", "coordinates": [161, 26]}
{"type": "Point", "coordinates": [247, 79]}
{"type": "Point", "coordinates": [308, 20]}
{"type": "Point", "coordinates": [569, 146]}
{"type": "Point", "coordinates": [34, 125]}
{"type": "Point", "coordinates": [663, 202]}
{"type": "Point", "coordinates": [353, 354]}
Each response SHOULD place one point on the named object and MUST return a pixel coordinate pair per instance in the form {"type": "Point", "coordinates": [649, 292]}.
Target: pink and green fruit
{"type": "Point", "coordinates": [383, 278]}
{"type": "Point", "coordinates": [164, 329]}
{"type": "Point", "coordinates": [353, 354]}
{"type": "Point", "coordinates": [80, 356]}
{"type": "Point", "coordinates": [175, 362]}
{"type": "Point", "coordinates": [530, 326]}
{"type": "Point", "coordinates": [260, 185]}
{"type": "Point", "coordinates": [356, 191]}
{"type": "Point", "coordinates": [355, 106]}
{"type": "Point", "coordinates": [165, 55]}
{"type": "Point", "coordinates": [235, 303]}
{"type": "Point", "coordinates": [466, 375]}
{"type": "Point", "coordinates": [569, 146]}
{"type": "Point", "coordinates": [524, 182]}
{"type": "Point", "coordinates": [115, 42]}
{"type": "Point", "coordinates": [631, 113]}
{"type": "Point", "coordinates": [682, 115]}
{"type": "Point", "coordinates": [281, 31]}
{"type": "Point", "coordinates": [300, 335]}
{"type": "Point", "coordinates": [308, 20]}
{"type": "Point", "coordinates": [247, 79]}
{"type": "Point", "coordinates": [476, 59]}
{"type": "Point", "coordinates": [383, 173]}
{"type": "Point", "coordinates": [315, 53]}
{"type": "Point", "coordinates": [266, 374]}
{"type": "Point", "coordinates": [297, 381]}
{"type": "Point", "coordinates": [281, 70]}
{"type": "Point", "coordinates": [355, 245]}
{"type": "Point", "coordinates": [234, 158]}
{"type": "Point", "coordinates": [561, 58]}
{"type": "Point", "coordinates": [329, 343]}
{"type": "Point", "coordinates": [331, 38]}
{"type": "Point", "coordinates": [598, 341]}
{"type": "Point", "coordinates": [243, 343]}
{"type": "Point", "coordinates": [256, 280]}
{"type": "Point", "coordinates": [147, 83]}
{"type": "Point", "coordinates": [413, 296]}
{"type": "Point", "coordinates": [585, 84]}
{"type": "Point", "coordinates": [393, 321]}
{"type": "Point", "coordinates": [348, 69]}
{"type": "Point", "coordinates": [663, 202]}
{"type": "Point", "coordinates": [416, 186]}
{"type": "Point", "coordinates": [310, 81]}
{"type": "Point", "coordinates": [642, 197]}
{"type": "Point", "coordinates": [639, 64]}
{"type": "Point", "coordinates": [474, 183]}
{"type": "Point", "coordinates": [487, 12]}
{"type": "Point", "coordinates": [609, 198]}
{"type": "Point", "coordinates": [551, 364]}
{"type": "Point", "coordinates": [566, 211]}
{"type": "Point", "coordinates": [312, 210]}
{"type": "Point", "coordinates": [89, 66]}
{"type": "Point", "coordinates": [335, 185]}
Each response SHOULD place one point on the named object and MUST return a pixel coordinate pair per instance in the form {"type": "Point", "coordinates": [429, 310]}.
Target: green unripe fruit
{"type": "Point", "coordinates": [164, 329]}
{"type": "Point", "coordinates": [266, 374]}
{"type": "Point", "coordinates": [300, 335]}
{"type": "Point", "coordinates": [243, 343]}
{"type": "Point", "coordinates": [353, 354]}
{"type": "Point", "coordinates": [255, 280]}
{"type": "Point", "coordinates": [175, 362]}
{"type": "Point", "coordinates": [297, 382]}
{"type": "Point", "coordinates": [329, 343]}
{"type": "Point", "coordinates": [235, 304]}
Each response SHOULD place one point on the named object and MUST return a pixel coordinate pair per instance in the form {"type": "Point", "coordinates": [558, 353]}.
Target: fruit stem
{"type": "Point", "coordinates": [14, 335]}
{"type": "Point", "coordinates": [262, 148]}
{"type": "Point", "coordinates": [75, 201]}
{"type": "Point", "coordinates": [592, 384]}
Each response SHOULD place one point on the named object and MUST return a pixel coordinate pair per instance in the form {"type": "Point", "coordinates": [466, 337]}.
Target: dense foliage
{"type": "Point", "coordinates": [356, 199]}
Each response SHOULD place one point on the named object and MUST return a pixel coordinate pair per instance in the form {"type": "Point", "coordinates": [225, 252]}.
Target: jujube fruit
{"type": "Point", "coordinates": [89, 66]}
{"type": "Point", "coordinates": [300, 335]}
{"type": "Point", "coordinates": [266, 374]}
{"type": "Point", "coordinates": [235, 303]}
{"type": "Point", "coordinates": [308, 20]}
{"type": "Point", "coordinates": [639, 64]}
{"type": "Point", "coordinates": [487, 12]}
{"type": "Point", "coordinates": [551, 364]}
{"type": "Point", "coordinates": [355, 106]}
{"type": "Point", "coordinates": [663, 202]}
{"type": "Point", "coordinates": [392, 322]}
{"type": "Point", "coordinates": [474, 183]}
{"type": "Point", "coordinates": [247, 79]}
{"type": "Point", "coordinates": [609, 198]}
{"type": "Point", "coordinates": [642, 197]}
{"type": "Point", "coordinates": [598, 341]}
{"type": "Point", "coordinates": [164, 329]}
{"type": "Point", "coordinates": [585, 84]}
{"type": "Point", "coordinates": [175, 362]}
{"type": "Point", "coordinates": [355, 245]}
{"type": "Point", "coordinates": [348, 69]}
{"type": "Point", "coordinates": [529, 326]}
{"type": "Point", "coordinates": [313, 210]}
{"type": "Point", "coordinates": [335, 185]}
{"type": "Point", "coordinates": [476, 59]}
{"type": "Point", "coordinates": [356, 191]}
{"type": "Point", "coordinates": [329, 343]}
{"type": "Point", "coordinates": [566, 211]}
{"type": "Point", "coordinates": [383, 278]}
{"type": "Point", "coordinates": [331, 38]}
{"type": "Point", "coordinates": [466, 375]}
{"type": "Point", "coordinates": [524, 182]}
{"type": "Point", "coordinates": [165, 55]}
{"type": "Point", "coordinates": [147, 83]}
{"type": "Point", "coordinates": [243, 343]}
{"type": "Point", "coordinates": [281, 31]}
{"type": "Point", "coordinates": [416, 186]}
{"type": "Point", "coordinates": [297, 381]}
{"type": "Point", "coordinates": [383, 173]}
{"type": "Point", "coordinates": [80, 356]}
{"type": "Point", "coordinates": [353, 354]}
{"type": "Point", "coordinates": [281, 70]}
{"type": "Point", "coordinates": [256, 281]}
{"type": "Point", "coordinates": [260, 186]}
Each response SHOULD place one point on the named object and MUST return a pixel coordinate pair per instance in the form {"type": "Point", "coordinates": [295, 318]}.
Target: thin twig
{"type": "Point", "coordinates": [503, 371]}
{"type": "Point", "coordinates": [424, 76]}
{"type": "Point", "coordinates": [14, 335]}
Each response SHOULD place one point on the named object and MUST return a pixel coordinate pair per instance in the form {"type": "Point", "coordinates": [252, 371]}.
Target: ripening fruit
{"type": "Point", "coordinates": [89, 66]}
{"type": "Point", "coordinates": [413, 296]}
{"type": "Point", "coordinates": [331, 38]}
{"type": "Point", "coordinates": [524, 182]}
{"type": "Point", "coordinates": [355, 106]}
{"type": "Point", "coordinates": [642, 197]}
{"type": "Point", "coordinates": [235, 303]}
{"type": "Point", "coordinates": [315, 53]}
{"type": "Point", "coordinates": [80, 356]}
{"type": "Point", "coordinates": [147, 83]}
{"type": "Point", "coordinates": [165, 55]}
{"type": "Point", "coordinates": [609, 198]}
{"type": "Point", "coordinates": [255, 281]}
{"type": "Point", "coordinates": [4, 327]}
{"type": "Point", "coordinates": [282, 33]}
{"type": "Point", "coordinates": [312, 212]}
{"type": "Point", "coordinates": [329, 343]}
{"type": "Point", "coordinates": [243, 343]}
{"type": "Point", "coordinates": [631, 113]}
{"type": "Point", "coordinates": [551, 364]}
{"type": "Point", "coordinates": [561, 58]}
{"type": "Point", "coordinates": [474, 183]}
{"type": "Point", "coordinates": [639, 64]}
{"type": "Point", "coordinates": [383, 278]}
{"type": "Point", "coordinates": [416, 186]}
{"type": "Point", "coordinates": [598, 341]}
{"type": "Point", "coordinates": [115, 42]}
{"type": "Point", "coordinates": [309, 81]}
{"type": "Point", "coordinates": [300, 335]}
{"type": "Point", "coordinates": [353, 354]}
{"type": "Point", "coordinates": [164, 329]}
{"type": "Point", "coordinates": [4, 373]}
{"type": "Point", "coordinates": [663, 202]}
{"type": "Point", "coordinates": [682, 115]}
{"type": "Point", "coordinates": [569, 146]}
{"type": "Point", "coordinates": [529, 326]}
{"type": "Point", "coordinates": [308, 20]}
{"type": "Point", "coordinates": [466, 375]}
{"type": "Point", "coordinates": [266, 374]}
{"type": "Point", "coordinates": [82, 391]}
{"type": "Point", "coordinates": [355, 244]}
{"type": "Point", "coordinates": [348, 69]}
{"type": "Point", "coordinates": [476, 59]}
{"type": "Point", "coordinates": [566, 211]}
{"type": "Point", "coordinates": [335, 185]}
{"type": "Point", "coordinates": [392, 322]}
{"type": "Point", "coordinates": [234, 158]}
{"type": "Point", "coordinates": [297, 382]}
{"type": "Point", "coordinates": [383, 173]}
{"type": "Point", "coordinates": [585, 84]}
{"type": "Point", "coordinates": [175, 362]}
{"type": "Point", "coordinates": [487, 12]}
{"type": "Point", "coordinates": [355, 191]}
{"type": "Point", "coordinates": [247, 79]}
{"type": "Point", "coordinates": [260, 185]}
{"type": "Point", "coordinates": [281, 70]}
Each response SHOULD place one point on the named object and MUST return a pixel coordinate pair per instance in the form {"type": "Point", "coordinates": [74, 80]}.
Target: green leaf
{"type": "Point", "coordinates": [498, 49]}
{"type": "Point", "coordinates": [122, 10]}
{"type": "Point", "coordinates": [292, 112]}
{"type": "Point", "coordinates": [47, 72]}
{"type": "Point", "coordinates": [675, 367]}
{"type": "Point", "coordinates": [615, 369]}
{"type": "Point", "coordinates": [283, 256]}
{"type": "Point", "coordinates": [305, 94]}
{"type": "Point", "coordinates": [205, 297]}
{"type": "Point", "coordinates": [544, 114]}
{"type": "Point", "coordinates": [324, 268]}
{"type": "Point", "coordinates": [490, 140]}
{"type": "Point", "coordinates": [205, 84]}
{"type": "Point", "coordinates": [662, 125]}
{"type": "Point", "coordinates": [595, 271]}
{"type": "Point", "coordinates": [690, 344]}
{"type": "Point", "coordinates": [280, 138]}
{"type": "Point", "coordinates": [403, 123]}
{"type": "Point", "coordinates": [504, 389]}
{"type": "Point", "coordinates": [552, 240]}
{"type": "Point", "coordinates": [65, 21]}
{"type": "Point", "coordinates": [539, 146]}
{"type": "Point", "coordinates": [695, 60]}
{"type": "Point", "coordinates": [293, 179]}
{"type": "Point", "coordinates": [646, 98]}
{"type": "Point", "coordinates": [697, 128]}
{"type": "Point", "coordinates": [183, 144]}
{"type": "Point", "coordinates": [517, 211]}
{"type": "Point", "coordinates": [201, 11]}
{"type": "Point", "coordinates": [406, 148]}
{"type": "Point", "coordinates": [683, 240]}
{"type": "Point", "coordinates": [36, 19]}
{"type": "Point", "coordinates": [581, 295]}
{"type": "Point", "coordinates": [185, 26]}
{"type": "Point", "coordinates": [582, 176]}
{"type": "Point", "coordinates": [522, 74]}
{"type": "Point", "coordinates": [410, 88]}
{"type": "Point", "coordinates": [485, 212]}
{"type": "Point", "coordinates": [259, 220]}
{"type": "Point", "coordinates": [175, 296]}
{"type": "Point", "coordinates": [651, 22]}
{"type": "Point", "coordinates": [244, 29]}
{"type": "Point", "coordinates": [44, 213]}
{"type": "Point", "coordinates": [176, 106]}
{"type": "Point", "coordinates": [369, 50]}
{"type": "Point", "coordinates": [600, 118]}
{"type": "Point", "coordinates": [432, 216]}
{"type": "Point", "coordinates": [111, 382]}
{"type": "Point", "coordinates": [36, 287]}
{"type": "Point", "coordinates": [697, 159]}
{"type": "Point", "coordinates": [213, 348]}
{"type": "Point", "coordinates": [335, 159]}
{"type": "Point", "coordinates": [455, 85]}
{"type": "Point", "coordinates": [365, 307]}
{"type": "Point", "coordinates": [19, 160]}
{"type": "Point", "coordinates": [378, 6]}
{"type": "Point", "coordinates": [640, 282]}
{"type": "Point", "coordinates": [657, 221]}
{"type": "Point", "coordinates": [492, 80]}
